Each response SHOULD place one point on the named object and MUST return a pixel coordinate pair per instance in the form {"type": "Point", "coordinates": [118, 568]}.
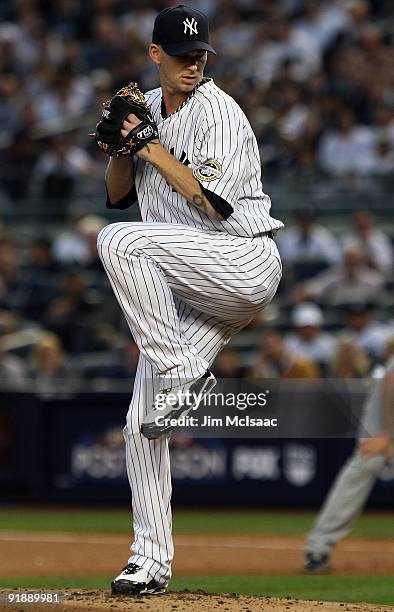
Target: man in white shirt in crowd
{"type": "Point", "coordinates": [372, 241]}
{"type": "Point", "coordinates": [308, 240]}
{"type": "Point", "coordinates": [307, 338]}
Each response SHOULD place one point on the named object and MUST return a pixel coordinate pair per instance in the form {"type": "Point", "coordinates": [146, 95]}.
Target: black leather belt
{"type": "Point", "coordinates": [269, 234]}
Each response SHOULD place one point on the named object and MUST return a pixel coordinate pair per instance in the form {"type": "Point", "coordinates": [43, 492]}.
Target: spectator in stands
{"type": "Point", "coordinates": [118, 365]}
{"type": "Point", "coordinates": [373, 243]}
{"type": "Point", "coordinates": [9, 259]}
{"type": "Point", "coordinates": [104, 337]}
{"type": "Point", "coordinates": [318, 89]}
{"type": "Point", "coordinates": [75, 244]}
{"type": "Point", "coordinates": [323, 21]}
{"type": "Point", "coordinates": [307, 240]}
{"type": "Point", "coordinates": [64, 17]}
{"type": "Point", "coordinates": [128, 359]}
{"type": "Point", "coordinates": [233, 36]}
{"type": "Point", "coordinates": [349, 281]}
{"type": "Point", "coordinates": [276, 360]}
{"type": "Point", "coordinates": [13, 290]}
{"type": "Point", "coordinates": [69, 246]}
{"type": "Point", "coordinates": [70, 316]}
{"type": "Point", "coordinates": [18, 334]}
{"type": "Point", "coordinates": [30, 29]}
{"type": "Point", "coordinates": [282, 43]}
{"type": "Point", "coordinates": [16, 165]}
{"type": "Point", "coordinates": [58, 171]}
{"type": "Point", "coordinates": [12, 369]}
{"type": "Point", "coordinates": [126, 366]}
{"type": "Point", "coordinates": [51, 370]}
{"type": "Point", "coordinates": [11, 103]}
{"type": "Point", "coordinates": [307, 339]}
{"type": "Point", "coordinates": [104, 48]}
{"type": "Point", "coordinates": [365, 331]}
{"type": "Point", "coordinates": [68, 97]}
{"type": "Point", "coordinates": [140, 15]}
{"type": "Point", "coordinates": [131, 356]}
{"type": "Point", "coordinates": [384, 123]}
{"type": "Point", "coordinates": [89, 228]}
{"type": "Point", "coordinates": [383, 158]}
{"type": "Point", "coordinates": [296, 117]}
{"type": "Point", "coordinates": [40, 276]}
{"type": "Point", "coordinates": [228, 364]}
{"type": "Point", "coordinates": [41, 258]}
{"type": "Point", "coordinates": [9, 323]}
{"type": "Point", "coordinates": [349, 361]}
{"type": "Point", "coordinates": [348, 148]}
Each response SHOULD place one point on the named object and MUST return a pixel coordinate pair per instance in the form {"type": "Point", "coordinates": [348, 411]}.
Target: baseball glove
{"type": "Point", "coordinates": [108, 134]}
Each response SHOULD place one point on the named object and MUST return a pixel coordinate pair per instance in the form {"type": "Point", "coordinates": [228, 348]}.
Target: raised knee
{"type": "Point", "coordinates": [112, 237]}
{"type": "Point", "coordinates": [102, 235]}
{"type": "Point", "coordinates": [121, 237]}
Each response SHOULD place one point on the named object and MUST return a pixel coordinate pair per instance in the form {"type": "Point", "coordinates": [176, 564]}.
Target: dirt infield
{"type": "Point", "coordinates": [84, 600]}
{"type": "Point", "coordinates": [71, 554]}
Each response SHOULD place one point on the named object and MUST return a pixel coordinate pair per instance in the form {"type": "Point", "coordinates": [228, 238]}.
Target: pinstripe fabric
{"type": "Point", "coordinates": [184, 293]}
{"type": "Point", "coordinates": [210, 125]}
{"type": "Point", "coordinates": [228, 277]}
{"type": "Point", "coordinates": [148, 463]}
{"type": "Point", "coordinates": [186, 284]}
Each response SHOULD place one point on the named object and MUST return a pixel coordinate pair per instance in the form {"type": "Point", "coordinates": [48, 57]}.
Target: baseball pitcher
{"type": "Point", "coordinates": [194, 272]}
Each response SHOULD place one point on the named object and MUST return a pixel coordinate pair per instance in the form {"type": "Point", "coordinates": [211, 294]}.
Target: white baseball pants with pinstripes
{"type": "Point", "coordinates": [184, 293]}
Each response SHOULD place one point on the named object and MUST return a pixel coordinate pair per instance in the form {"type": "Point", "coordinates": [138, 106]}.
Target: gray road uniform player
{"type": "Point", "coordinates": [187, 277]}
{"type": "Point", "coordinates": [351, 488]}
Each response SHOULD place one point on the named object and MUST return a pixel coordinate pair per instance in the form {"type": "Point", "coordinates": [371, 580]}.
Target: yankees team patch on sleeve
{"type": "Point", "coordinates": [209, 170]}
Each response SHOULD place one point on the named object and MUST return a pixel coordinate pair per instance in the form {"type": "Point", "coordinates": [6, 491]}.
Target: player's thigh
{"type": "Point", "coordinates": [227, 276]}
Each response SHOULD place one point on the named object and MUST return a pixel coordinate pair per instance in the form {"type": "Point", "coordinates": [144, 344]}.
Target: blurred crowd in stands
{"type": "Point", "coordinates": [316, 80]}
{"type": "Point", "coordinates": [315, 77]}
{"type": "Point", "coordinates": [333, 315]}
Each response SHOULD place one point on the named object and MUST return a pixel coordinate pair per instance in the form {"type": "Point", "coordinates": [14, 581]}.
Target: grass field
{"type": "Point", "coordinates": [371, 525]}
{"type": "Point", "coordinates": [346, 589]}
{"type": "Point", "coordinates": [370, 589]}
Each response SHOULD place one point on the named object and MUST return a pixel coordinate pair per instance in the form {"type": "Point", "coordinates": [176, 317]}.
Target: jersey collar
{"type": "Point", "coordinates": [164, 116]}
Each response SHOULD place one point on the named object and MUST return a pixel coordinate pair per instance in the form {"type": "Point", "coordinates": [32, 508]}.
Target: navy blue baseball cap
{"type": "Point", "coordinates": [181, 29]}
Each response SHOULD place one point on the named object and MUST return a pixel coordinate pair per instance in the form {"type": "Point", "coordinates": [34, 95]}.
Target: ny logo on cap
{"type": "Point", "coordinates": [190, 24]}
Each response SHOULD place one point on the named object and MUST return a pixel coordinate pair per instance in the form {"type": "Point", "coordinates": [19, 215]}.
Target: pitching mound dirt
{"type": "Point", "coordinates": [77, 554]}
{"type": "Point", "coordinates": [75, 601]}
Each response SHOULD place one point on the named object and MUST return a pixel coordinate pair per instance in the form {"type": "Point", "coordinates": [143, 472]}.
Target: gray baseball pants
{"type": "Point", "coordinates": [352, 486]}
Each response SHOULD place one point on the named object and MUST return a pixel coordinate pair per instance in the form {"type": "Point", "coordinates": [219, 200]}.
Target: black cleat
{"type": "Point", "coordinates": [135, 580]}
{"type": "Point", "coordinates": [315, 563]}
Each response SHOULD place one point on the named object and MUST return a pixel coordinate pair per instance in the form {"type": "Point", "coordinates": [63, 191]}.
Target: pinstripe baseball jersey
{"type": "Point", "coordinates": [210, 134]}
